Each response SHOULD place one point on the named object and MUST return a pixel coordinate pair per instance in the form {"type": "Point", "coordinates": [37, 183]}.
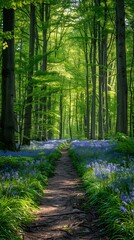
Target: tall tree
{"type": "Point", "coordinates": [28, 109]}
{"type": "Point", "coordinates": [121, 68]}
{"type": "Point", "coordinates": [132, 88]}
{"type": "Point", "coordinates": [8, 82]}
{"type": "Point", "coordinates": [61, 114]}
{"type": "Point", "coordinates": [45, 21]}
{"type": "Point", "coordinates": [93, 56]}
{"type": "Point", "coordinates": [87, 80]}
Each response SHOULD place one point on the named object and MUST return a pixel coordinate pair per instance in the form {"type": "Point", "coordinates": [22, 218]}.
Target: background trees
{"type": "Point", "coordinates": [66, 77]}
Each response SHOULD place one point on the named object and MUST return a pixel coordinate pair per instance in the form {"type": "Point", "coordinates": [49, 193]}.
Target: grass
{"type": "Point", "coordinates": [109, 183]}
{"type": "Point", "coordinates": [22, 182]}
{"type": "Point", "coordinates": [13, 213]}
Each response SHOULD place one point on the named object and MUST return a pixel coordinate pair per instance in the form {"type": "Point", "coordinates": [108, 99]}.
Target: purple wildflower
{"type": "Point", "coordinates": [123, 209]}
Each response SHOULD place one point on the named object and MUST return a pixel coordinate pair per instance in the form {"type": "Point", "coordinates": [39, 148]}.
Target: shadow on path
{"type": "Point", "coordinates": [60, 215]}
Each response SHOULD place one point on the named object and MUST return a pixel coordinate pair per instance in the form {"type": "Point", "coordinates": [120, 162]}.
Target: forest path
{"type": "Point", "coordinates": [60, 215]}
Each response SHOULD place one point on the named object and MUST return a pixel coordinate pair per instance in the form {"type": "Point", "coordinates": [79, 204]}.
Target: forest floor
{"type": "Point", "coordinates": [61, 214]}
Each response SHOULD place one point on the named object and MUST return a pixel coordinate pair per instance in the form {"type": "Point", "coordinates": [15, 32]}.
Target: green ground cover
{"type": "Point", "coordinates": [22, 181]}
{"type": "Point", "coordinates": [107, 171]}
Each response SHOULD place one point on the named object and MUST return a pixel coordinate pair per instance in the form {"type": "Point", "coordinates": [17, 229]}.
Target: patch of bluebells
{"type": "Point", "coordinates": [18, 179]}
{"type": "Point", "coordinates": [127, 199]}
{"type": "Point", "coordinates": [35, 149]}
{"type": "Point", "coordinates": [94, 149]}
{"type": "Point", "coordinates": [13, 176]}
{"type": "Point", "coordinates": [109, 168]}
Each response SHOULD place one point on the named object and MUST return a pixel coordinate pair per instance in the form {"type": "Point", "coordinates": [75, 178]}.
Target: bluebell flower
{"type": "Point", "coordinates": [116, 190]}
{"type": "Point", "coordinates": [123, 209]}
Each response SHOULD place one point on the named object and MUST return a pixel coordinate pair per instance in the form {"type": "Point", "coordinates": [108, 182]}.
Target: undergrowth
{"type": "Point", "coordinates": [107, 174]}
{"type": "Point", "coordinates": [22, 182]}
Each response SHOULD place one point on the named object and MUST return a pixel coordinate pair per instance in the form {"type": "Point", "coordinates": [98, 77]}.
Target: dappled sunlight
{"type": "Point", "coordinates": [60, 215]}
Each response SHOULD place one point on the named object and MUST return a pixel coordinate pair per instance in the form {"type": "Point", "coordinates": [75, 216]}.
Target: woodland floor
{"type": "Point", "coordinates": [61, 215]}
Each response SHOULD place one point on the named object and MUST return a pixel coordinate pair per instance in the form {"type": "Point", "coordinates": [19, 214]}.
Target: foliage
{"type": "Point", "coordinates": [125, 144]}
{"type": "Point", "coordinates": [62, 84]}
{"type": "Point", "coordinates": [16, 3]}
{"type": "Point", "coordinates": [121, 137]}
{"type": "Point", "coordinates": [13, 212]}
{"type": "Point", "coordinates": [22, 182]}
{"type": "Point", "coordinates": [108, 179]}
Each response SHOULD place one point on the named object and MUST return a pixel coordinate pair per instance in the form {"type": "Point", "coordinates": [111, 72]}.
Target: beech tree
{"type": "Point", "coordinates": [29, 100]}
{"type": "Point", "coordinates": [93, 56]}
{"type": "Point", "coordinates": [65, 70]}
{"type": "Point", "coordinates": [121, 69]}
{"type": "Point", "coordinates": [7, 137]}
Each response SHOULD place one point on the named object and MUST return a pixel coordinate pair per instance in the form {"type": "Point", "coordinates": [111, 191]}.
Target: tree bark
{"type": "Point", "coordinates": [61, 114]}
{"type": "Point", "coordinates": [86, 53]}
{"type": "Point", "coordinates": [45, 15]}
{"type": "Point", "coordinates": [122, 92]}
{"type": "Point", "coordinates": [101, 82]}
{"type": "Point", "coordinates": [70, 110]}
{"type": "Point", "coordinates": [28, 109]}
{"type": "Point", "coordinates": [93, 56]}
{"type": "Point", "coordinates": [8, 83]}
{"type": "Point", "coordinates": [132, 90]}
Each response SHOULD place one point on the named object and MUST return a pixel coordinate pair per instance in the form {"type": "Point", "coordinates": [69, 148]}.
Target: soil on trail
{"type": "Point", "coordinates": [61, 215]}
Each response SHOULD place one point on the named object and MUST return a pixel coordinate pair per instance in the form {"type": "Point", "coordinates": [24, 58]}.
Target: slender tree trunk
{"type": "Point", "coordinates": [87, 82]}
{"type": "Point", "coordinates": [121, 69]}
{"type": "Point", "coordinates": [87, 95]}
{"type": "Point", "coordinates": [105, 88]}
{"type": "Point", "coordinates": [81, 121]}
{"type": "Point", "coordinates": [28, 109]}
{"type": "Point", "coordinates": [70, 110]}
{"type": "Point", "coordinates": [100, 49]}
{"type": "Point", "coordinates": [76, 114]}
{"type": "Point", "coordinates": [36, 99]}
{"type": "Point", "coordinates": [8, 83]}
{"type": "Point", "coordinates": [100, 60]}
{"type": "Point", "coordinates": [20, 94]}
{"type": "Point", "coordinates": [65, 124]}
{"type": "Point", "coordinates": [93, 70]}
{"type": "Point", "coordinates": [61, 114]}
{"type": "Point", "coordinates": [49, 117]}
{"type": "Point", "coordinates": [102, 54]}
{"type": "Point", "coordinates": [45, 20]}
{"type": "Point", "coordinates": [132, 91]}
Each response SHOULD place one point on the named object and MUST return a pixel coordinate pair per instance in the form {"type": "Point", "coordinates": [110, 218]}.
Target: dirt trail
{"type": "Point", "coordinates": [60, 215]}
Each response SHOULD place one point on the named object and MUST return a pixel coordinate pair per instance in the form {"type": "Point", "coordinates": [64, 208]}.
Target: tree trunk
{"type": "Point", "coordinates": [101, 82]}
{"type": "Point", "coordinates": [28, 109]}
{"type": "Point", "coordinates": [102, 54]}
{"type": "Point", "coordinates": [36, 99]}
{"type": "Point", "coordinates": [45, 15]}
{"type": "Point", "coordinates": [20, 94]}
{"type": "Point", "coordinates": [121, 69]}
{"type": "Point", "coordinates": [132, 91]}
{"type": "Point", "coordinates": [87, 81]}
{"type": "Point", "coordinates": [8, 83]}
{"type": "Point", "coordinates": [61, 114]}
{"type": "Point", "coordinates": [105, 87]}
{"type": "Point", "coordinates": [93, 70]}
{"type": "Point", "coordinates": [76, 114]}
{"type": "Point", "coordinates": [49, 117]}
{"type": "Point", "coordinates": [70, 110]}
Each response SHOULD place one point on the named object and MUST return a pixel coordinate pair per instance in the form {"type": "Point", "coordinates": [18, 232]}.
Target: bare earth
{"type": "Point", "coordinates": [61, 215]}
